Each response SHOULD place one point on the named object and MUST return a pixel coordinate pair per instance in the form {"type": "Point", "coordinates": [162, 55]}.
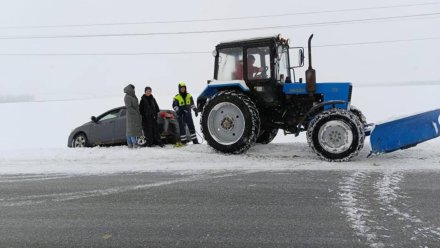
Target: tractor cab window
{"type": "Point", "coordinates": [230, 64]}
{"type": "Point", "coordinates": [258, 63]}
{"type": "Point", "coordinates": [282, 64]}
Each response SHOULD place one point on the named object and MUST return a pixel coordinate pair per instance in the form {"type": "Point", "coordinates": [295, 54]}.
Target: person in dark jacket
{"type": "Point", "coordinates": [149, 111]}
{"type": "Point", "coordinates": [182, 104]}
{"type": "Point", "coordinates": [134, 127]}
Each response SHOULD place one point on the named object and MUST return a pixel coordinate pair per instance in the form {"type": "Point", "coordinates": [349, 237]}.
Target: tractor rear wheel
{"type": "Point", "coordinates": [336, 135]}
{"type": "Point", "coordinates": [230, 122]}
{"type": "Point", "coordinates": [267, 135]}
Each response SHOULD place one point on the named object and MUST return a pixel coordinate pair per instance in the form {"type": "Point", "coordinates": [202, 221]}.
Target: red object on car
{"type": "Point", "coordinates": [164, 115]}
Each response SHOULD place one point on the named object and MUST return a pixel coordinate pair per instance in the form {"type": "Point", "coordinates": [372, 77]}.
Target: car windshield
{"type": "Point", "coordinates": [110, 115]}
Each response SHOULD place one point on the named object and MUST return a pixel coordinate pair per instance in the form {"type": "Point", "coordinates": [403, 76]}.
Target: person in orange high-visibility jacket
{"type": "Point", "coordinates": [183, 104]}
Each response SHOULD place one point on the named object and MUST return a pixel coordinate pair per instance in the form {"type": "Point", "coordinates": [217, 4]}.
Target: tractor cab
{"type": "Point", "coordinates": [260, 65]}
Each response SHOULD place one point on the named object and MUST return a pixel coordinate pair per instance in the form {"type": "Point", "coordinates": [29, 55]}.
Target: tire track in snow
{"type": "Point", "coordinates": [357, 212]}
{"type": "Point", "coordinates": [369, 205]}
{"type": "Point", "coordinates": [31, 178]}
{"type": "Point", "coordinates": [390, 198]}
{"type": "Point", "coordinates": [61, 197]}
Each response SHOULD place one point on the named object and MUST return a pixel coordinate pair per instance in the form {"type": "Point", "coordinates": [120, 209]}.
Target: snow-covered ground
{"type": "Point", "coordinates": [193, 159]}
{"type": "Point", "coordinates": [34, 140]}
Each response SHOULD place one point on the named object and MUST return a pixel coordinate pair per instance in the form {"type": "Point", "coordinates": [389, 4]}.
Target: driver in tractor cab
{"type": "Point", "coordinates": [252, 70]}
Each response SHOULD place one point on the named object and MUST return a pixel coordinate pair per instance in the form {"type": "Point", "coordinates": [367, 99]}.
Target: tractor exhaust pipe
{"type": "Point", "coordinates": [310, 73]}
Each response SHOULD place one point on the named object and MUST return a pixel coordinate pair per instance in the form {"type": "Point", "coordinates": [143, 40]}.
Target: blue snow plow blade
{"type": "Point", "coordinates": [405, 132]}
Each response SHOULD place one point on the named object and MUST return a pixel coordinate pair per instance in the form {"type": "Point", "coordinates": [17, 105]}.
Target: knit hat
{"type": "Point", "coordinates": [147, 88]}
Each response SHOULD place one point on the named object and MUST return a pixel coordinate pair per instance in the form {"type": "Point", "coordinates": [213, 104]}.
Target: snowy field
{"type": "Point", "coordinates": [194, 159]}
{"type": "Point", "coordinates": [34, 139]}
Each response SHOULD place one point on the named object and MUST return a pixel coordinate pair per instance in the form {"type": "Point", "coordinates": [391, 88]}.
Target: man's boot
{"type": "Point", "coordinates": [179, 144]}
{"type": "Point", "coordinates": [160, 143]}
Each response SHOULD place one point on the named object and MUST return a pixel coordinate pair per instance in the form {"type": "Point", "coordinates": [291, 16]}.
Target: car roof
{"type": "Point", "coordinates": [123, 107]}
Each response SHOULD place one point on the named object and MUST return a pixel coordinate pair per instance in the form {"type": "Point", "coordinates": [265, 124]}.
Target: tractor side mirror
{"type": "Point", "coordinates": [298, 57]}
{"type": "Point", "coordinates": [94, 119]}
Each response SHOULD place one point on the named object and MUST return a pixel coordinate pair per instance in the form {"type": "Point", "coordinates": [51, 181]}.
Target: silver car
{"type": "Point", "coordinates": [109, 129]}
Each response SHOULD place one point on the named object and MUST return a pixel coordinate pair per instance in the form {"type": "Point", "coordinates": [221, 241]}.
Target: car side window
{"type": "Point", "coordinates": [110, 115]}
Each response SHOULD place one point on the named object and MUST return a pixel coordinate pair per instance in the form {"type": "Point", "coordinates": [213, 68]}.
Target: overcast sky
{"type": "Point", "coordinates": [99, 76]}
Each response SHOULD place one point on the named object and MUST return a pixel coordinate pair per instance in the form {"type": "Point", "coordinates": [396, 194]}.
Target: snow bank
{"type": "Point", "coordinates": [202, 158]}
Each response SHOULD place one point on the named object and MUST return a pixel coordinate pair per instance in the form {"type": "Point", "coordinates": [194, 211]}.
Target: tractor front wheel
{"type": "Point", "coordinates": [230, 122]}
{"type": "Point", "coordinates": [336, 135]}
{"type": "Point", "coordinates": [359, 114]}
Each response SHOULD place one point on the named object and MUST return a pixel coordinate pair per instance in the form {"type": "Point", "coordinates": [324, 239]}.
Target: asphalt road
{"type": "Point", "coordinates": [229, 209]}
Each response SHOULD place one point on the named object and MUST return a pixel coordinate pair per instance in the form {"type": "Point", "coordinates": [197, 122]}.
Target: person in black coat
{"type": "Point", "coordinates": [149, 111]}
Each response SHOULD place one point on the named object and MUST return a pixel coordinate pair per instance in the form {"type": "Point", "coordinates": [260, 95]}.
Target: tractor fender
{"type": "Point", "coordinates": [313, 110]}
{"type": "Point", "coordinates": [215, 86]}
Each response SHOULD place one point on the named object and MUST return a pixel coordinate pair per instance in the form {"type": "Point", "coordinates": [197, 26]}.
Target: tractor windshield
{"type": "Point", "coordinates": [230, 64]}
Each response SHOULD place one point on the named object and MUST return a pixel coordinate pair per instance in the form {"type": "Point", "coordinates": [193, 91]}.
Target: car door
{"type": "Point", "coordinates": [120, 127]}
{"type": "Point", "coordinates": [103, 129]}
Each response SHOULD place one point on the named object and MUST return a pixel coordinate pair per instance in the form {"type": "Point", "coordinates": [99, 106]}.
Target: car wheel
{"type": "Point", "coordinates": [80, 140]}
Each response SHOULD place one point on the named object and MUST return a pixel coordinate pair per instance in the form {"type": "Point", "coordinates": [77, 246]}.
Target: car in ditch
{"type": "Point", "coordinates": [109, 129]}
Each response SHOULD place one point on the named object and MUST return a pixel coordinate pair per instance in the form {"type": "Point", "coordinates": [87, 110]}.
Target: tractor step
{"type": "Point", "coordinates": [405, 132]}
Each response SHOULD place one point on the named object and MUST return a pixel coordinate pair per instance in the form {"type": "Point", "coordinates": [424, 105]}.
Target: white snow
{"type": "Point", "coordinates": [193, 158]}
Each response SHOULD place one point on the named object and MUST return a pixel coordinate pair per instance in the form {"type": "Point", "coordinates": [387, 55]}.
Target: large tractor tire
{"type": "Point", "coordinates": [267, 135]}
{"type": "Point", "coordinates": [336, 135]}
{"type": "Point", "coordinates": [230, 122]}
{"type": "Point", "coordinates": [359, 114]}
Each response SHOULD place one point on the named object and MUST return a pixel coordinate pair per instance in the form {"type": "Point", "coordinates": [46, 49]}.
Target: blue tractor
{"type": "Point", "coordinates": [255, 93]}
